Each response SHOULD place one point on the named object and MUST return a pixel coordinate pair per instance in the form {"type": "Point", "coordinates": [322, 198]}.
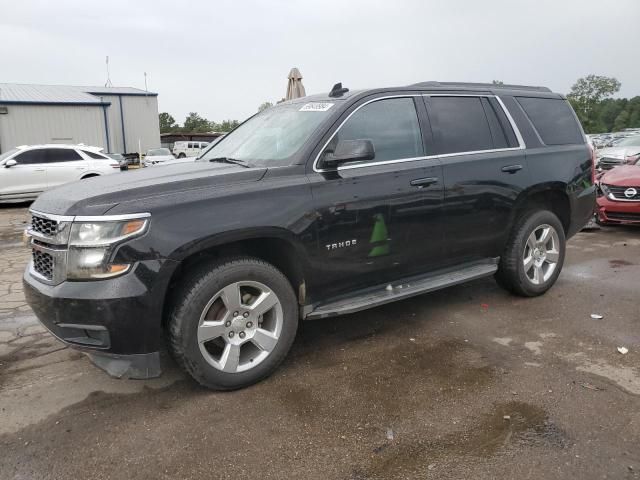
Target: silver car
{"type": "Point", "coordinates": [625, 152]}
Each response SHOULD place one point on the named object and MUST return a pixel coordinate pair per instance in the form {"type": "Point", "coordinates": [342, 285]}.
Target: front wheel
{"type": "Point", "coordinates": [233, 322]}
{"type": "Point", "coordinates": [534, 255]}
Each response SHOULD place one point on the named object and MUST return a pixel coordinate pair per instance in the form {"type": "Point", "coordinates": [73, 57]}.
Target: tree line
{"type": "Point", "coordinates": [194, 123]}
{"type": "Point", "coordinates": [598, 112]}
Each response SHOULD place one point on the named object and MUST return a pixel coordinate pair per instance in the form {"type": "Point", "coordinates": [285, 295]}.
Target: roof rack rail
{"type": "Point", "coordinates": [480, 85]}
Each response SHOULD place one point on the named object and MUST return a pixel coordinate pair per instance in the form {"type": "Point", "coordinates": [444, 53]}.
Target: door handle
{"type": "Point", "coordinates": [39, 170]}
{"type": "Point", "coordinates": [423, 182]}
{"type": "Point", "coordinates": [512, 168]}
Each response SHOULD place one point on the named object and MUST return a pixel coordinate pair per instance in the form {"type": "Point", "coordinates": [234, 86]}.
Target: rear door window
{"type": "Point", "coordinates": [462, 124]}
{"type": "Point", "coordinates": [391, 125]}
{"type": "Point", "coordinates": [94, 155]}
{"type": "Point", "coordinates": [553, 119]}
{"type": "Point", "coordinates": [56, 155]}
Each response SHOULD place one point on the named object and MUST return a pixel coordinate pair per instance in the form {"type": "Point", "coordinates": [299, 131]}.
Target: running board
{"type": "Point", "coordinates": [405, 288]}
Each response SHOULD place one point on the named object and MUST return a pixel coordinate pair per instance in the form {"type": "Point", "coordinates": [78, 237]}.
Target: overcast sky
{"type": "Point", "coordinates": [224, 58]}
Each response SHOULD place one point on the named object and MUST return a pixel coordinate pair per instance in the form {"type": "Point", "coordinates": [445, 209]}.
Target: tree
{"type": "Point", "coordinates": [167, 123]}
{"type": "Point", "coordinates": [264, 106]}
{"type": "Point", "coordinates": [225, 126]}
{"type": "Point", "coordinates": [196, 123]}
{"type": "Point", "coordinates": [497, 82]}
{"type": "Point", "coordinates": [586, 96]}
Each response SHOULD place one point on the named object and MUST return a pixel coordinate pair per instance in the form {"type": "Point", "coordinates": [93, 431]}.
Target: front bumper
{"type": "Point", "coordinates": [613, 212]}
{"type": "Point", "coordinates": [117, 321]}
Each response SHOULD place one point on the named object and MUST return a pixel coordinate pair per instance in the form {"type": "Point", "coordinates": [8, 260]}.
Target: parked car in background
{"type": "Point", "coordinates": [316, 207]}
{"type": "Point", "coordinates": [625, 152]}
{"type": "Point", "coordinates": [157, 155]}
{"type": "Point", "coordinates": [188, 149]}
{"type": "Point", "coordinates": [27, 171]}
{"type": "Point", "coordinates": [619, 196]}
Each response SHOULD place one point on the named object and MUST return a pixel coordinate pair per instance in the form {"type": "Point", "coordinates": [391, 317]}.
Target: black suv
{"type": "Point", "coordinates": [320, 206]}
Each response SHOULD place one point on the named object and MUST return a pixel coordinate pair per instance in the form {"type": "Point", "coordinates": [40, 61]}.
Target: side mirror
{"type": "Point", "coordinates": [10, 163]}
{"type": "Point", "coordinates": [350, 151]}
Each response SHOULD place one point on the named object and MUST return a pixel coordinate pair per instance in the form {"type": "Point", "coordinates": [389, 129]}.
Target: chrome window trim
{"type": "Point", "coordinates": [516, 131]}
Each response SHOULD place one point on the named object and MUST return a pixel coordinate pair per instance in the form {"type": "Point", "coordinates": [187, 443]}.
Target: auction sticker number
{"type": "Point", "coordinates": [316, 107]}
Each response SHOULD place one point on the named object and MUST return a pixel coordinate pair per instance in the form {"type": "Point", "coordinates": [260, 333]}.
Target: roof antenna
{"type": "Point", "coordinates": [337, 90]}
{"type": "Point", "coordinates": [108, 83]}
{"type": "Point", "coordinates": [145, 82]}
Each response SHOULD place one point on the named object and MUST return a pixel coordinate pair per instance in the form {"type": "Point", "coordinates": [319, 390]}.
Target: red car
{"type": "Point", "coordinates": [619, 196]}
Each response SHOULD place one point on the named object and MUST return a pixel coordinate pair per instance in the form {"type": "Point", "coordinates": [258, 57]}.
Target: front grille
{"type": "Point", "coordinates": [44, 226]}
{"type": "Point", "coordinates": [42, 263]}
{"type": "Point", "coordinates": [623, 216]}
{"type": "Point", "coordinates": [618, 192]}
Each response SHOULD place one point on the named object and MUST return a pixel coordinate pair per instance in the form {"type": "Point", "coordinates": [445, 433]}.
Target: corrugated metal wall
{"type": "Point", "coordinates": [36, 124]}
{"type": "Point", "coordinates": [141, 122]}
{"type": "Point", "coordinates": [140, 116]}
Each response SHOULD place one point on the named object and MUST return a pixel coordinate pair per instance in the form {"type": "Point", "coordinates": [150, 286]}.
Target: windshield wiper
{"type": "Point", "coordinates": [234, 161]}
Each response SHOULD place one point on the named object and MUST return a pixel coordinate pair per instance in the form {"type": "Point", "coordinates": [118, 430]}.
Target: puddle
{"type": "Point", "coordinates": [528, 426]}
{"type": "Point", "coordinates": [627, 378]}
{"type": "Point", "coordinates": [423, 373]}
{"type": "Point", "coordinates": [619, 263]}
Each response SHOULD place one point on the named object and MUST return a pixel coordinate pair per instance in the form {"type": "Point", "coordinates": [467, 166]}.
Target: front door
{"type": "Point", "coordinates": [484, 169]}
{"type": "Point", "coordinates": [26, 178]}
{"type": "Point", "coordinates": [378, 220]}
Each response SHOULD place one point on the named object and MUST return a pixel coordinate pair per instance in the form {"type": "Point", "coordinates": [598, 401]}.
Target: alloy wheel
{"type": "Point", "coordinates": [541, 254]}
{"type": "Point", "coordinates": [240, 326]}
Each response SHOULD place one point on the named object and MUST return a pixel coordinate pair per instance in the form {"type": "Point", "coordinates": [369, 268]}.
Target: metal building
{"type": "Point", "coordinates": [117, 119]}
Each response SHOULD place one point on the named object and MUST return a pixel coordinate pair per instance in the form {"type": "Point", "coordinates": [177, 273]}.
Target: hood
{"type": "Point", "coordinates": [618, 152]}
{"type": "Point", "coordinates": [623, 176]}
{"type": "Point", "coordinates": [97, 195]}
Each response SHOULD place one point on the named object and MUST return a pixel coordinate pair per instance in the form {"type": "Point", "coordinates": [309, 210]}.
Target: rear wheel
{"type": "Point", "coordinates": [233, 323]}
{"type": "Point", "coordinates": [181, 155]}
{"type": "Point", "coordinates": [534, 255]}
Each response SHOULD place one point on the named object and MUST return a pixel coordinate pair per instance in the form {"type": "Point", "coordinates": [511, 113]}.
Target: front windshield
{"type": "Point", "coordinates": [629, 142]}
{"type": "Point", "coordinates": [7, 154]}
{"type": "Point", "coordinates": [158, 151]}
{"type": "Point", "coordinates": [272, 136]}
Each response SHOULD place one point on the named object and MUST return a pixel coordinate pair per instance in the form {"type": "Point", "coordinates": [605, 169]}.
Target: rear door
{"type": "Point", "coordinates": [374, 225]}
{"type": "Point", "coordinates": [26, 178]}
{"type": "Point", "coordinates": [64, 165]}
{"type": "Point", "coordinates": [484, 169]}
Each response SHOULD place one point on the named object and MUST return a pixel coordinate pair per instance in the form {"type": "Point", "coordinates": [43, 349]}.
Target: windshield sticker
{"type": "Point", "coordinates": [316, 107]}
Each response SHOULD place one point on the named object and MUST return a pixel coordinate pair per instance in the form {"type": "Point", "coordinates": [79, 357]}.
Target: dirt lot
{"type": "Point", "coordinates": [468, 382]}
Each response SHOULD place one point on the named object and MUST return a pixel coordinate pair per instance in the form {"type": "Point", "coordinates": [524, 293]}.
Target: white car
{"type": "Point", "coordinates": [27, 171]}
{"type": "Point", "coordinates": [188, 149]}
{"type": "Point", "coordinates": [157, 155]}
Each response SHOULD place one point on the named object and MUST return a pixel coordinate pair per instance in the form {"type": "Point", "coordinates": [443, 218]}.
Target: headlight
{"type": "Point", "coordinates": [91, 244]}
{"type": "Point", "coordinates": [605, 189]}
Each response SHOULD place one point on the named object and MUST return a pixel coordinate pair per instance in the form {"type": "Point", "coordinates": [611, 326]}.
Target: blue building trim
{"type": "Point", "coordinates": [141, 94]}
{"type": "Point", "coordinates": [35, 102]}
{"type": "Point", "coordinates": [106, 128]}
{"type": "Point", "coordinates": [124, 138]}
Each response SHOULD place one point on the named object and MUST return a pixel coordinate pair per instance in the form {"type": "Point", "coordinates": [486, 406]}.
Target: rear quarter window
{"type": "Point", "coordinates": [553, 119]}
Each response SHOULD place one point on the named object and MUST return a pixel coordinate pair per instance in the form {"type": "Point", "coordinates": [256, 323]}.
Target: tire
{"type": "Point", "coordinates": [182, 155]}
{"type": "Point", "coordinates": [530, 265]}
{"type": "Point", "coordinates": [203, 307]}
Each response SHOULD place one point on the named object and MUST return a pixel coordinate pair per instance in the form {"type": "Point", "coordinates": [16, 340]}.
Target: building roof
{"type": "Point", "coordinates": [16, 93]}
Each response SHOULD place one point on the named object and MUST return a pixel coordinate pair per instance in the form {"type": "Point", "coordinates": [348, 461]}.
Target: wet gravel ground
{"type": "Point", "coordinates": [468, 382]}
